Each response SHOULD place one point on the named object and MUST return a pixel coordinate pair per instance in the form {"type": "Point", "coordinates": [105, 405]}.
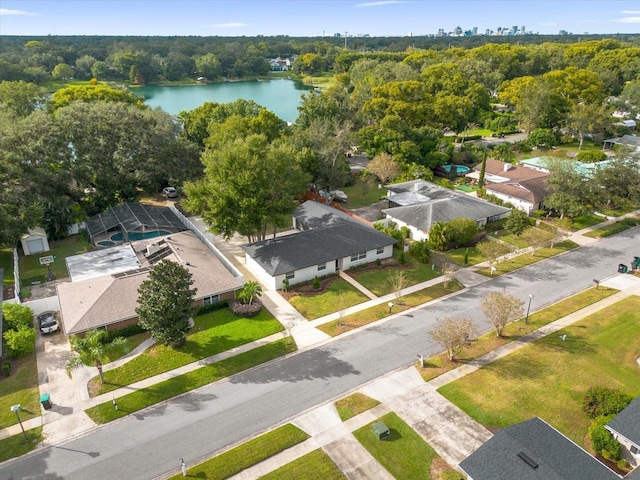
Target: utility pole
{"type": "Point", "coordinates": [345, 39]}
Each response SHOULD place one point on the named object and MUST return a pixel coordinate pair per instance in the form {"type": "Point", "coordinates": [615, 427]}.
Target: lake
{"type": "Point", "coordinates": [281, 96]}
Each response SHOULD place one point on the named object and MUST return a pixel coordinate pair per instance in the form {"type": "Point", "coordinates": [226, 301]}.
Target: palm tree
{"type": "Point", "coordinates": [92, 350]}
{"type": "Point", "coordinates": [250, 291]}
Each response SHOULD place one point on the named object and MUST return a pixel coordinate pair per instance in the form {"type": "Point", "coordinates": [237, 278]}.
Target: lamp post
{"type": "Point", "coordinates": [15, 409]}
{"type": "Point", "coordinates": [526, 319]}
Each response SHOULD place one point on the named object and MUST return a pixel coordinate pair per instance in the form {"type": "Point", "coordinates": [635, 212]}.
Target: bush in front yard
{"type": "Point", "coordinates": [244, 309]}
{"type": "Point", "coordinates": [602, 401]}
{"type": "Point", "coordinates": [20, 342]}
{"type": "Point", "coordinates": [601, 439]}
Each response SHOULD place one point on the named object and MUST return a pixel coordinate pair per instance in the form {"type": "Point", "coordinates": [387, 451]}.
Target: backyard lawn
{"type": "Point", "coordinates": [20, 388]}
{"type": "Point", "coordinates": [213, 332]}
{"type": "Point", "coordinates": [403, 453]}
{"type": "Point", "coordinates": [339, 295]}
{"type": "Point", "coordinates": [550, 377]}
{"type": "Point", "coordinates": [311, 466]}
{"type": "Point", "coordinates": [363, 197]}
{"type": "Point", "coordinates": [6, 263]}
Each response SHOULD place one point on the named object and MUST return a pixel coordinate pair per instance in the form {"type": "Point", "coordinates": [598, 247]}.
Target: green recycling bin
{"type": "Point", "coordinates": [380, 430]}
{"type": "Point", "coordinates": [45, 400]}
{"type": "Point", "coordinates": [622, 268]}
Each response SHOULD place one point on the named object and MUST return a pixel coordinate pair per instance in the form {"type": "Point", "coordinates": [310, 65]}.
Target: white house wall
{"type": "Point", "coordinates": [416, 233]}
{"type": "Point", "coordinates": [516, 202]}
{"type": "Point", "coordinates": [263, 277]}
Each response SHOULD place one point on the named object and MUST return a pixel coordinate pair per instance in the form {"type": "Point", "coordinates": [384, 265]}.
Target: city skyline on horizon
{"type": "Point", "coordinates": [313, 18]}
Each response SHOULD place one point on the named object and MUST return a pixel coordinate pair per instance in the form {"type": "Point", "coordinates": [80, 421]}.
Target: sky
{"type": "Point", "coordinates": [312, 17]}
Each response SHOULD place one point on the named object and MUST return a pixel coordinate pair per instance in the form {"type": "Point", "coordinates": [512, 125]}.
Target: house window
{"type": "Point", "coordinates": [380, 251]}
{"type": "Point", "coordinates": [290, 275]}
{"type": "Point", "coordinates": [211, 300]}
{"type": "Point", "coordinates": [634, 450]}
{"type": "Point", "coordinates": [322, 266]}
{"type": "Point", "coordinates": [358, 256]}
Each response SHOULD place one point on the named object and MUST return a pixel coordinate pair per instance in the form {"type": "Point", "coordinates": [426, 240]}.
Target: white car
{"type": "Point", "coordinates": [338, 195]}
{"type": "Point", "coordinates": [170, 192]}
{"type": "Point", "coordinates": [48, 322]}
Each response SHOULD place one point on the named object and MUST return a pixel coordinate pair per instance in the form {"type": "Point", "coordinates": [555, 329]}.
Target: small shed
{"type": "Point", "coordinates": [35, 241]}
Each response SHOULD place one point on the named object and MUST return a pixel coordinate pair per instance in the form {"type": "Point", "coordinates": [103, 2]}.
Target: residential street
{"type": "Point", "coordinates": [150, 443]}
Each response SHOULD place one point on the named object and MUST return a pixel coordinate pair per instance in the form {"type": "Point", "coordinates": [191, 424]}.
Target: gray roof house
{"type": "Point", "coordinates": [630, 141]}
{"type": "Point", "coordinates": [625, 428]}
{"type": "Point", "coordinates": [330, 241]}
{"type": "Point", "coordinates": [419, 204]}
{"type": "Point", "coordinates": [533, 450]}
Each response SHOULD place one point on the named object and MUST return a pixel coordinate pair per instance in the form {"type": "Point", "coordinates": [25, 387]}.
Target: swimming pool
{"type": "Point", "coordinates": [460, 169]}
{"type": "Point", "coordinates": [106, 243]}
{"type": "Point", "coordinates": [118, 237]}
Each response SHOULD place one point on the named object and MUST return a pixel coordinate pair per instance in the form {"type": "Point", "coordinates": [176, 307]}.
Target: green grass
{"type": "Point", "coordinates": [440, 364]}
{"type": "Point", "coordinates": [359, 198]}
{"type": "Point", "coordinates": [373, 314]}
{"type": "Point", "coordinates": [587, 220]}
{"type": "Point", "coordinates": [312, 466]}
{"type": "Point", "coordinates": [354, 404]}
{"type": "Point", "coordinates": [519, 241]}
{"type": "Point", "coordinates": [17, 445]}
{"type": "Point", "coordinates": [31, 272]}
{"type": "Point", "coordinates": [20, 388]}
{"type": "Point", "coordinates": [478, 131]}
{"type": "Point", "coordinates": [550, 377]}
{"type": "Point", "coordinates": [213, 333]}
{"type": "Point", "coordinates": [403, 453]}
{"type": "Point", "coordinates": [613, 228]}
{"type": "Point", "coordinates": [526, 259]}
{"type": "Point", "coordinates": [132, 343]}
{"type": "Point", "coordinates": [159, 392]}
{"type": "Point", "coordinates": [250, 453]}
{"type": "Point", "coordinates": [338, 296]}
{"type": "Point", "coordinates": [377, 280]}
{"type": "Point", "coordinates": [6, 263]}
{"type": "Point", "coordinates": [622, 209]}
{"type": "Point", "coordinates": [457, 256]}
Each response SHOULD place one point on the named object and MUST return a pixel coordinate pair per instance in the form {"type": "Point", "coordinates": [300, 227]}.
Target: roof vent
{"type": "Point", "coordinates": [507, 167]}
{"type": "Point", "coordinates": [528, 460]}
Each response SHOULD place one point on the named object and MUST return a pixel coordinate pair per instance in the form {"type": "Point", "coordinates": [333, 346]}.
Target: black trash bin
{"type": "Point", "coordinates": [622, 268]}
{"type": "Point", "coordinates": [45, 400]}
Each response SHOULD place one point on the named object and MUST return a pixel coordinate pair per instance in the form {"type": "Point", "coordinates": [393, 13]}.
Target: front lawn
{"type": "Point", "coordinates": [373, 314]}
{"type": "Point", "coordinates": [311, 466]}
{"type": "Point", "coordinates": [175, 386]}
{"type": "Point", "coordinates": [339, 295]}
{"type": "Point", "coordinates": [613, 228]}
{"type": "Point", "coordinates": [17, 445]}
{"type": "Point", "coordinates": [526, 259]}
{"type": "Point", "coordinates": [488, 342]}
{"type": "Point", "coordinates": [132, 342]}
{"type": "Point", "coordinates": [550, 377]}
{"type": "Point", "coordinates": [213, 333]}
{"type": "Point", "coordinates": [403, 453]}
{"type": "Point", "coordinates": [456, 256]}
{"type": "Point", "coordinates": [31, 272]}
{"type": "Point", "coordinates": [586, 220]}
{"type": "Point", "coordinates": [355, 404]}
{"type": "Point", "coordinates": [248, 454]}
{"type": "Point", "coordinates": [518, 241]}
{"type": "Point", "coordinates": [20, 388]}
{"type": "Point", "coordinates": [377, 279]}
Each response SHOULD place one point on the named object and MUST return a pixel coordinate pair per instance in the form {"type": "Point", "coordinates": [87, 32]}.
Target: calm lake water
{"type": "Point", "coordinates": [281, 96]}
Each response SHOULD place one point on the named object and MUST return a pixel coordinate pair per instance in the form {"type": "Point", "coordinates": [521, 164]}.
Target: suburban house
{"type": "Point", "coordinates": [330, 241]}
{"type": "Point", "coordinates": [533, 450]}
{"type": "Point", "coordinates": [524, 188]}
{"type": "Point", "coordinates": [418, 204]}
{"type": "Point", "coordinates": [625, 428]}
{"type": "Point", "coordinates": [279, 64]}
{"type": "Point", "coordinates": [103, 292]}
{"type": "Point", "coordinates": [541, 164]}
{"type": "Point", "coordinates": [630, 141]}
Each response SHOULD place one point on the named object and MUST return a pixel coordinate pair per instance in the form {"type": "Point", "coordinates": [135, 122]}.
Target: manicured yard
{"type": "Point", "coordinates": [457, 256]}
{"type": "Point", "coordinates": [438, 365]}
{"type": "Point", "coordinates": [339, 295]}
{"type": "Point", "coordinates": [587, 220]}
{"type": "Point", "coordinates": [403, 453]}
{"type": "Point", "coordinates": [613, 228]}
{"type": "Point", "coordinates": [353, 405]}
{"type": "Point", "coordinates": [159, 392]}
{"type": "Point", "coordinates": [518, 241]}
{"type": "Point", "coordinates": [213, 332]}
{"type": "Point", "coordinates": [31, 272]}
{"type": "Point", "coordinates": [6, 263]}
{"type": "Point", "coordinates": [17, 446]}
{"type": "Point", "coordinates": [525, 259]}
{"type": "Point", "coordinates": [312, 466]}
{"type": "Point", "coordinates": [377, 280]}
{"type": "Point", "coordinates": [20, 388]}
{"type": "Point", "coordinates": [244, 456]}
{"type": "Point", "coordinates": [132, 343]}
{"type": "Point", "coordinates": [550, 377]}
{"type": "Point", "coordinates": [362, 198]}
{"type": "Point", "coordinates": [373, 314]}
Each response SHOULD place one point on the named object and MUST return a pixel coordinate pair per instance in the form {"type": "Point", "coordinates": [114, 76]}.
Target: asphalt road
{"type": "Point", "coordinates": [150, 443]}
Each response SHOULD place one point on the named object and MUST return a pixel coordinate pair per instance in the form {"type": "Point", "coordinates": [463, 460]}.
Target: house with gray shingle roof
{"type": "Point", "coordinates": [330, 241]}
{"type": "Point", "coordinates": [625, 428]}
{"type": "Point", "coordinates": [418, 204]}
{"type": "Point", "coordinates": [533, 450]}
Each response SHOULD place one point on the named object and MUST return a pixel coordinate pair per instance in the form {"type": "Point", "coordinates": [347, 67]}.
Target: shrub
{"type": "Point", "coordinates": [125, 332]}
{"type": "Point", "coordinates": [16, 316]}
{"type": "Point", "coordinates": [378, 262]}
{"type": "Point", "coordinates": [601, 439]}
{"type": "Point", "coordinates": [316, 283]}
{"type": "Point", "coordinates": [401, 258]}
{"type": "Point", "coordinates": [20, 342]}
{"type": "Point", "coordinates": [466, 257]}
{"type": "Point", "coordinates": [602, 401]}
{"type": "Point", "coordinates": [212, 307]}
{"type": "Point", "coordinates": [6, 368]}
{"type": "Point", "coordinates": [285, 284]}
{"type": "Point", "coordinates": [420, 250]}
{"type": "Point", "coordinates": [244, 309]}
{"type": "Point", "coordinates": [591, 156]}
{"type": "Point", "coordinates": [539, 213]}
{"type": "Point", "coordinates": [542, 136]}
